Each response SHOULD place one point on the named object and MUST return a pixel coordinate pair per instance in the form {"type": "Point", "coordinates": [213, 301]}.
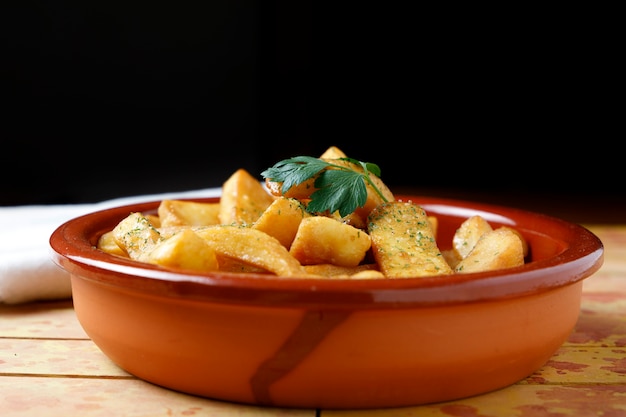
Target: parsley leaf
{"type": "Point", "coordinates": [338, 190]}
{"type": "Point", "coordinates": [294, 171]}
{"type": "Point", "coordinates": [338, 187]}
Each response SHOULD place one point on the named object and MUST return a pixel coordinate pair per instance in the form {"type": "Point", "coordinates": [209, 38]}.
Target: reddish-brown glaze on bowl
{"type": "Point", "coordinates": [333, 343]}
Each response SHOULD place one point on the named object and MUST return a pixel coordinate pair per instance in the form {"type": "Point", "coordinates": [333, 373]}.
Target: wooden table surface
{"type": "Point", "coordinates": [49, 367]}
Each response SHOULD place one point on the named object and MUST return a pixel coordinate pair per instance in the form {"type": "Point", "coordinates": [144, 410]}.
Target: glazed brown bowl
{"type": "Point", "coordinates": [333, 343]}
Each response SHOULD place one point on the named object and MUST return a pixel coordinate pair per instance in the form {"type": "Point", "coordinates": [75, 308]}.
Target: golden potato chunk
{"type": "Point", "coordinates": [184, 249]}
{"type": "Point", "coordinates": [136, 235]}
{"type": "Point", "coordinates": [228, 264]}
{"type": "Point", "coordinates": [107, 243]}
{"type": "Point", "coordinates": [333, 152]}
{"type": "Point", "coordinates": [434, 225]}
{"type": "Point", "coordinates": [303, 191]}
{"type": "Point", "coordinates": [282, 219]}
{"type": "Point", "coordinates": [501, 248]}
{"type": "Point", "coordinates": [451, 256]}
{"type": "Point", "coordinates": [243, 199]}
{"type": "Point", "coordinates": [352, 219]}
{"type": "Point", "coordinates": [322, 239]}
{"type": "Point", "coordinates": [188, 213]}
{"type": "Point", "coordinates": [154, 220]}
{"type": "Point", "coordinates": [518, 233]}
{"type": "Point", "coordinates": [300, 192]}
{"type": "Point", "coordinates": [466, 236]}
{"type": "Point", "coordinates": [403, 241]}
{"type": "Point", "coordinates": [252, 247]}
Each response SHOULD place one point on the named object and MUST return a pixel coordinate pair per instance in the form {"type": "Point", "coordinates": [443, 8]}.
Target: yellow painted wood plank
{"type": "Point", "coordinates": [576, 365]}
{"type": "Point", "coordinates": [62, 397]}
{"type": "Point", "coordinates": [40, 320]}
{"type": "Point", "coordinates": [613, 238]}
{"type": "Point", "coordinates": [516, 401]}
{"type": "Point", "coordinates": [603, 286]}
{"type": "Point", "coordinates": [599, 327]}
{"type": "Point", "coordinates": [55, 357]}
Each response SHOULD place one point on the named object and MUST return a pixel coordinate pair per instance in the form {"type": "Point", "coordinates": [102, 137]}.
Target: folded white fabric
{"type": "Point", "coordinates": [27, 272]}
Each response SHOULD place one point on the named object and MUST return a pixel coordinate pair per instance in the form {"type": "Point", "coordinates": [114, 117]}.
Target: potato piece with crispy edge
{"type": "Point", "coordinates": [243, 199]}
{"type": "Point", "coordinates": [188, 213]}
{"type": "Point", "coordinates": [518, 233]}
{"type": "Point", "coordinates": [301, 191]}
{"type": "Point", "coordinates": [434, 225]}
{"type": "Point", "coordinates": [352, 219]}
{"type": "Point", "coordinates": [136, 235]}
{"type": "Point", "coordinates": [252, 247]}
{"type": "Point", "coordinates": [325, 240]}
{"type": "Point", "coordinates": [499, 249]}
{"type": "Point", "coordinates": [304, 190]}
{"type": "Point", "coordinates": [107, 243]}
{"type": "Point", "coordinates": [333, 152]}
{"type": "Point", "coordinates": [185, 250]}
{"type": "Point", "coordinates": [403, 241]}
{"type": "Point", "coordinates": [282, 219]}
{"type": "Point", "coordinates": [154, 219]}
{"type": "Point", "coordinates": [228, 264]}
{"type": "Point", "coordinates": [451, 256]}
{"type": "Point", "coordinates": [468, 233]}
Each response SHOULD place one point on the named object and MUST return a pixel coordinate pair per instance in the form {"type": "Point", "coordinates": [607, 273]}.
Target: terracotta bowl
{"type": "Point", "coordinates": [333, 343]}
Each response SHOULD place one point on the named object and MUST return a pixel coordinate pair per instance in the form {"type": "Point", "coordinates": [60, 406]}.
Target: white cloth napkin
{"type": "Point", "coordinates": [27, 272]}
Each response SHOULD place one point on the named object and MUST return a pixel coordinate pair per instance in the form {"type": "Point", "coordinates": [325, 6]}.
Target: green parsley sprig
{"type": "Point", "coordinates": [338, 187]}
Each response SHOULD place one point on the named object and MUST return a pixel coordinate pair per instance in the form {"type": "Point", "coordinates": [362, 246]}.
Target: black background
{"type": "Point", "coordinates": [102, 100]}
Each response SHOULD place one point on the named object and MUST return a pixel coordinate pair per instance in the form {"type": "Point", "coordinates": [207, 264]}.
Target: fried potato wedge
{"type": "Point", "coordinates": [466, 236]}
{"type": "Point", "coordinates": [304, 190]}
{"type": "Point", "coordinates": [136, 236]}
{"type": "Point", "coordinates": [252, 247]}
{"type": "Point", "coordinates": [107, 243]}
{"type": "Point", "coordinates": [188, 213]}
{"type": "Point", "coordinates": [518, 233]}
{"type": "Point", "coordinates": [403, 241]}
{"type": "Point", "coordinates": [434, 224]}
{"type": "Point", "coordinates": [322, 239]}
{"type": "Point", "coordinates": [282, 219]}
{"type": "Point", "coordinates": [352, 219]}
{"type": "Point", "coordinates": [186, 250]}
{"type": "Point", "coordinates": [154, 220]}
{"type": "Point", "coordinates": [451, 256]}
{"type": "Point", "coordinates": [498, 249]}
{"type": "Point", "coordinates": [333, 152]}
{"type": "Point", "coordinates": [243, 199]}
{"type": "Point", "coordinates": [228, 264]}
{"type": "Point", "coordinates": [300, 192]}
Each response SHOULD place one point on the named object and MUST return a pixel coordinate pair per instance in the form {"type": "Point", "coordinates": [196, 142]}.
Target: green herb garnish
{"type": "Point", "coordinates": [338, 187]}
